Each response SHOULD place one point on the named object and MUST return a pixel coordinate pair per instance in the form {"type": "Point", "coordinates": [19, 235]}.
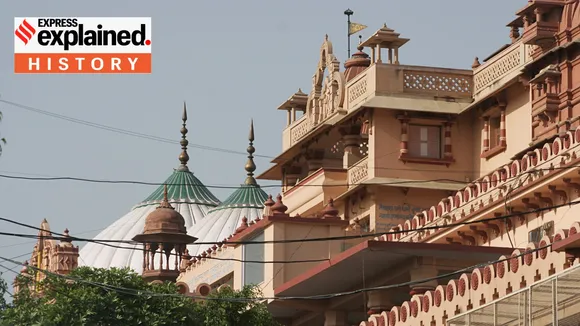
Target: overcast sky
{"type": "Point", "coordinates": [230, 60]}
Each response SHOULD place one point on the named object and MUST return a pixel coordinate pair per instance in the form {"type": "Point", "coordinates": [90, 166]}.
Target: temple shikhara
{"type": "Point", "coordinates": [411, 195]}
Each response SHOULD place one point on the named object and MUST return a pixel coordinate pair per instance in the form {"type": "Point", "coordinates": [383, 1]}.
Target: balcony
{"type": "Point", "coordinates": [499, 70]}
{"type": "Point", "coordinates": [410, 88]}
{"type": "Point", "coordinates": [540, 32]}
{"type": "Point", "coordinates": [545, 98]}
{"type": "Point", "coordinates": [540, 19]}
{"type": "Point", "coordinates": [358, 173]}
{"type": "Point", "coordinates": [295, 132]}
{"type": "Point", "coordinates": [314, 191]}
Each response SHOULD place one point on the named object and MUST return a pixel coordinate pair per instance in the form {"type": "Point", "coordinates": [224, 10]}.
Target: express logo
{"type": "Point", "coordinates": [25, 32]}
{"type": "Point", "coordinates": [82, 45]}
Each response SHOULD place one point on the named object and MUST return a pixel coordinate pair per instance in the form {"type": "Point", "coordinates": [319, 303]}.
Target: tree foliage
{"type": "Point", "coordinates": [126, 299]}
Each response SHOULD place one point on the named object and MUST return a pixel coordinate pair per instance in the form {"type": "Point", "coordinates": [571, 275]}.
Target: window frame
{"type": "Point", "coordinates": [494, 146]}
{"type": "Point", "coordinates": [440, 140]}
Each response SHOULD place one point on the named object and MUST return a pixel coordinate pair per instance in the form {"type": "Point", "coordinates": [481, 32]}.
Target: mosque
{"type": "Point", "coordinates": [411, 195]}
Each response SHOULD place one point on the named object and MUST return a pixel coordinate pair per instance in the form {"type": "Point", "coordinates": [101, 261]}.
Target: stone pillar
{"type": "Point", "coordinates": [447, 148]}
{"type": "Point", "coordinates": [352, 139]}
{"type": "Point", "coordinates": [404, 137]}
{"type": "Point", "coordinates": [485, 134]}
{"type": "Point", "coordinates": [289, 118]}
{"type": "Point", "coordinates": [378, 301]}
{"type": "Point", "coordinates": [379, 59]}
{"type": "Point", "coordinates": [422, 272]}
{"type": "Point", "coordinates": [335, 318]}
{"type": "Point", "coordinates": [396, 56]}
{"type": "Point", "coordinates": [502, 129]}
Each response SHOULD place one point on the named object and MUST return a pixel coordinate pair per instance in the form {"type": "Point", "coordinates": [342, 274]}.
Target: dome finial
{"type": "Point", "coordinates": [183, 157]}
{"type": "Point", "coordinates": [250, 165]}
{"type": "Point", "coordinates": [165, 202]}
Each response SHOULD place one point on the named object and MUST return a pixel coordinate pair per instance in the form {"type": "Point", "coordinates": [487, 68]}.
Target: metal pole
{"type": "Point", "coordinates": [348, 13]}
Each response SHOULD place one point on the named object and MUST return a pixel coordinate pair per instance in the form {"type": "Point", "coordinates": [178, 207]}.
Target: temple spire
{"type": "Point", "coordinates": [183, 157]}
{"type": "Point", "coordinates": [250, 165]}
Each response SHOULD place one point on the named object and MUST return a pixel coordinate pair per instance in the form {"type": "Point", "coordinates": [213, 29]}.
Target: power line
{"type": "Point", "coordinates": [310, 297]}
{"type": "Point", "coordinates": [124, 131]}
{"type": "Point", "coordinates": [147, 183]}
{"type": "Point", "coordinates": [172, 141]}
{"type": "Point", "coordinates": [362, 236]}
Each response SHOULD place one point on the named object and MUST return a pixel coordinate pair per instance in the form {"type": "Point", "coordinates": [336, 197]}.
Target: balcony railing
{"type": "Point", "coordinates": [400, 80]}
{"type": "Point", "coordinates": [359, 172]}
{"type": "Point", "coordinates": [500, 69]}
{"type": "Point", "coordinates": [391, 85]}
{"type": "Point", "coordinates": [321, 185]}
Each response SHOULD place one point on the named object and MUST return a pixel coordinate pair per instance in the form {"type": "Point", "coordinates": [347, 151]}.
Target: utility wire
{"type": "Point", "coordinates": [403, 182]}
{"type": "Point", "coordinates": [376, 234]}
{"type": "Point", "coordinates": [122, 131]}
{"type": "Point", "coordinates": [172, 141]}
{"type": "Point", "coordinates": [310, 297]}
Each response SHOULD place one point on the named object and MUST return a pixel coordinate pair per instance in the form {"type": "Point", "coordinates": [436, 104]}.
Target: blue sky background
{"type": "Point", "coordinates": [231, 61]}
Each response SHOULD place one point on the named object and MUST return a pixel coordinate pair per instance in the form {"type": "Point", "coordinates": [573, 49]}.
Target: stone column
{"type": "Point", "coordinates": [352, 139]}
{"type": "Point", "coordinates": [335, 318]}
{"type": "Point", "coordinates": [378, 301]}
{"type": "Point", "coordinates": [447, 147]}
{"type": "Point", "coordinates": [404, 137]}
{"type": "Point", "coordinates": [485, 134]}
{"type": "Point", "coordinates": [502, 127]}
{"type": "Point", "coordinates": [289, 118]}
{"type": "Point", "coordinates": [422, 272]}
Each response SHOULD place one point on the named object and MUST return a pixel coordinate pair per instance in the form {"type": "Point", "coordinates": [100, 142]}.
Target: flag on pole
{"type": "Point", "coordinates": [354, 28]}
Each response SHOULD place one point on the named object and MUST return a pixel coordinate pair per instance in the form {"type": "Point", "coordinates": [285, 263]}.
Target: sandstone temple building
{"type": "Point", "coordinates": [411, 195]}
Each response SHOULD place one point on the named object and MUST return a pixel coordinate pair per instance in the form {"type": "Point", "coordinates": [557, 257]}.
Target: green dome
{"type": "Point", "coordinates": [182, 187]}
{"type": "Point", "coordinates": [247, 196]}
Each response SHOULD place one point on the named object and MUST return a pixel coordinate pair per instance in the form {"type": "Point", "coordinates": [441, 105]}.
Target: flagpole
{"type": "Point", "coordinates": [348, 13]}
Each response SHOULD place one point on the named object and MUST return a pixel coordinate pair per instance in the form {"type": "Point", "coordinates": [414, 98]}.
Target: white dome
{"type": "Point", "coordinates": [186, 194]}
{"type": "Point", "coordinates": [222, 221]}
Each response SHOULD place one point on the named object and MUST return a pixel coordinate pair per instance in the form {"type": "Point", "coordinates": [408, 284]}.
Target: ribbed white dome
{"type": "Point", "coordinates": [247, 201]}
{"type": "Point", "coordinates": [186, 194]}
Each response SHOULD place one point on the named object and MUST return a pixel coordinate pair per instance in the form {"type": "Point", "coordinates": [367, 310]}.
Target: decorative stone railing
{"type": "Point", "coordinates": [559, 155]}
{"type": "Point", "coordinates": [499, 69]}
{"type": "Point", "coordinates": [299, 129]}
{"type": "Point", "coordinates": [437, 81]}
{"type": "Point", "coordinates": [359, 172]}
{"type": "Point", "coordinates": [481, 286]}
{"type": "Point", "coordinates": [390, 80]}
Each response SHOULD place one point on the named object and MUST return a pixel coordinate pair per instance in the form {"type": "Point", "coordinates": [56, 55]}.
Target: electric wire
{"type": "Point", "coordinates": [402, 182]}
{"type": "Point", "coordinates": [309, 297]}
{"type": "Point", "coordinates": [199, 146]}
{"type": "Point", "coordinates": [122, 131]}
{"type": "Point", "coordinates": [300, 240]}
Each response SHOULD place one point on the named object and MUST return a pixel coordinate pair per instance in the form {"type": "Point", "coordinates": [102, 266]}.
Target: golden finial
{"type": "Point", "coordinates": [250, 165]}
{"type": "Point", "coordinates": [183, 157]}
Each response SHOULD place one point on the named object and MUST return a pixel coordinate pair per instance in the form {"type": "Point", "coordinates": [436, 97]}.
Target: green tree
{"type": "Point", "coordinates": [122, 297]}
{"type": "Point", "coordinates": [3, 293]}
